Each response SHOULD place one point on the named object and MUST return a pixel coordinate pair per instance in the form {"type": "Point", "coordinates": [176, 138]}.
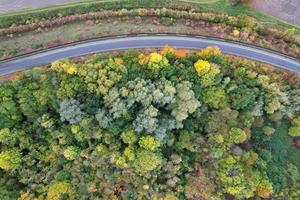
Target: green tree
{"type": "Point", "coordinates": [129, 136]}
{"type": "Point", "coordinates": [185, 103]}
{"type": "Point", "coordinates": [186, 141]}
{"type": "Point", "coordinates": [71, 152]}
{"type": "Point", "coordinates": [101, 75]}
{"type": "Point", "coordinates": [71, 87]}
{"type": "Point", "coordinates": [8, 137]}
{"type": "Point", "coordinates": [199, 186]}
{"type": "Point", "coordinates": [238, 179]}
{"type": "Point", "coordinates": [215, 97]}
{"type": "Point", "coordinates": [146, 161]}
{"type": "Point", "coordinates": [10, 113]}
{"type": "Point", "coordinates": [149, 143]}
{"type": "Point", "coordinates": [36, 93]}
{"type": "Point", "coordinates": [10, 160]}
{"type": "Point", "coordinates": [237, 135]}
{"type": "Point", "coordinates": [70, 111]}
{"type": "Point", "coordinates": [242, 96]}
{"type": "Point", "coordinates": [61, 190]}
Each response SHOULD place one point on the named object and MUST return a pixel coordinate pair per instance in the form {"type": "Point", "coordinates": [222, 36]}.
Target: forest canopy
{"type": "Point", "coordinates": [161, 125]}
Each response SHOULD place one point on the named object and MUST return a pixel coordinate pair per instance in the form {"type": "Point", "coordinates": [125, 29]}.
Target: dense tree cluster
{"type": "Point", "coordinates": [165, 125]}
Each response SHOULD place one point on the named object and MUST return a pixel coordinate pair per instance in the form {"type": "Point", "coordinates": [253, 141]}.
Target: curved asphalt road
{"type": "Point", "coordinates": [121, 43]}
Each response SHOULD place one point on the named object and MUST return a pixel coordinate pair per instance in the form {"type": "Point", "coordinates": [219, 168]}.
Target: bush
{"type": "Point", "coordinates": [294, 131]}
{"type": "Point", "coordinates": [237, 2]}
{"type": "Point", "coordinates": [268, 130]}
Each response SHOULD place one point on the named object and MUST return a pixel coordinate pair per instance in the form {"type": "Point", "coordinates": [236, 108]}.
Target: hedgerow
{"type": "Point", "coordinates": [243, 26]}
{"type": "Point", "coordinates": [186, 126]}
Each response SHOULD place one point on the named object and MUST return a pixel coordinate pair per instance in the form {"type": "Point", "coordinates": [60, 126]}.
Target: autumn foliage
{"type": "Point", "coordinates": [167, 125]}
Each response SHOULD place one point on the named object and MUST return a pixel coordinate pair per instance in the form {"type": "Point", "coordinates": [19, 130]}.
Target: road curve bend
{"type": "Point", "coordinates": [121, 43]}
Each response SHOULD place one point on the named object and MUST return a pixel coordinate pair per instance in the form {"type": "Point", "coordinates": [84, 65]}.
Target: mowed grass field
{"type": "Point", "coordinates": [54, 7]}
{"type": "Point", "coordinates": [224, 6]}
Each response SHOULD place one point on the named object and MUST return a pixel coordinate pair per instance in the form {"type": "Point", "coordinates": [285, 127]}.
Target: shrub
{"type": "Point", "coordinates": [294, 131]}
{"type": "Point", "coordinates": [268, 130]}
{"type": "Point", "coordinates": [296, 121]}
{"type": "Point", "coordinates": [246, 21]}
{"type": "Point", "coordinates": [237, 2]}
{"type": "Point", "coordinates": [16, 24]}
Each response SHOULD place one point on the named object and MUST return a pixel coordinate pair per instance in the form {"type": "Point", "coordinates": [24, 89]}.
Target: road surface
{"type": "Point", "coordinates": [121, 43]}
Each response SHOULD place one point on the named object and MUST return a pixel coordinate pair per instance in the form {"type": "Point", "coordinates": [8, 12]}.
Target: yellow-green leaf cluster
{"type": "Point", "coordinates": [149, 143]}
{"type": "Point", "coordinates": [10, 160]}
{"type": "Point", "coordinates": [61, 189]}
